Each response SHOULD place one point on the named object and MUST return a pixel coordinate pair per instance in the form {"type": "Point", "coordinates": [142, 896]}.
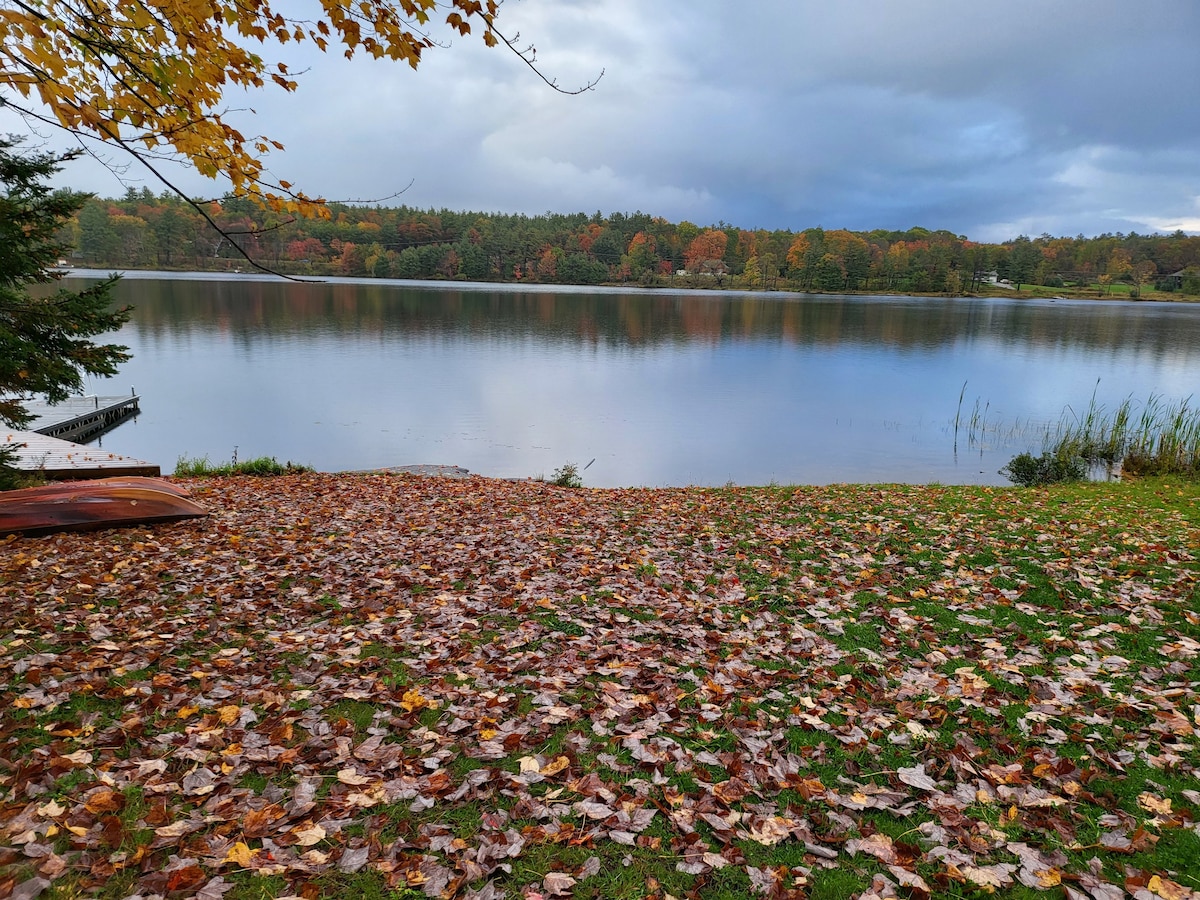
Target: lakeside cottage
{"type": "Point", "coordinates": [713, 268]}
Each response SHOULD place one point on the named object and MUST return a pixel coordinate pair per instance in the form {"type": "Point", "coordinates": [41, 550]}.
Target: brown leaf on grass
{"type": "Point", "coordinates": [1158, 805]}
{"type": "Point", "coordinates": [731, 791]}
{"type": "Point", "coordinates": [765, 881]}
{"type": "Point", "coordinates": [168, 834]}
{"type": "Point", "coordinates": [307, 835]}
{"type": "Point", "coordinates": [324, 671]}
{"type": "Point", "coordinates": [29, 889]}
{"type": "Point", "coordinates": [353, 859]}
{"type": "Point", "coordinates": [590, 867]}
{"type": "Point", "coordinates": [1151, 886]}
{"type": "Point", "coordinates": [215, 889]}
{"type": "Point", "coordinates": [915, 776]}
{"type": "Point", "coordinates": [911, 880]}
{"type": "Point", "coordinates": [257, 822]}
{"type": "Point", "coordinates": [104, 801]}
{"type": "Point", "coordinates": [555, 766]}
{"type": "Point", "coordinates": [766, 830]}
{"type": "Point", "coordinates": [184, 878]}
{"type": "Point", "coordinates": [1123, 842]}
{"type": "Point", "coordinates": [808, 788]}
{"type": "Point", "coordinates": [558, 884]}
{"type": "Point", "coordinates": [593, 810]}
{"type": "Point", "coordinates": [877, 845]}
{"type": "Point", "coordinates": [990, 877]}
{"type": "Point", "coordinates": [1169, 890]}
{"type": "Point", "coordinates": [882, 888]}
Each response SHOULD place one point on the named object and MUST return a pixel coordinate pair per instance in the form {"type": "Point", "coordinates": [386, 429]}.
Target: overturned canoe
{"type": "Point", "coordinates": [103, 503]}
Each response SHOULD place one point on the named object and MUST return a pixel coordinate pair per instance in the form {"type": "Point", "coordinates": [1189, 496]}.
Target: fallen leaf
{"type": "Point", "coordinates": [558, 884]}
{"type": "Point", "coordinates": [1158, 805]}
{"type": "Point", "coordinates": [306, 837]}
{"type": "Point", "coordinates": [240, 854]}
{"type": "Point", "coordinates": [915, 776]}
{"type": "Point", "coordinates": [104, 801]}
{"type": "Point", "coordinates": [878, 845]}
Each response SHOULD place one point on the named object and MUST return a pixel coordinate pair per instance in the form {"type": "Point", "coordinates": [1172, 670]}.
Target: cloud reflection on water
{"type": "Point", "coordinates": [659, 387]}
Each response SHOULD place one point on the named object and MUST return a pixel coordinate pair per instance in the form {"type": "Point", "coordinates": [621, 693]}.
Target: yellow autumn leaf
{"type": "Point", "coordinates": [240, 854]}
{"type": "Point", "coordinates": [414, 700]}
{"type": "Point", "coordinates": [1049, 878]}
{"type": "Point", "coordinates": [49, 51]}
{"type": "Point", "coordinates": [1168, 890]}
{"type": "Point", "coordinates": [186, 712]}
{"type": "Point", "coordinates": [229, 714]}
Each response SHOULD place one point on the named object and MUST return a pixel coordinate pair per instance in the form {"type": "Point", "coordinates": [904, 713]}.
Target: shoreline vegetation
{"type": "Point", "coordinates": [1154, 437]}
{"type": "Point", "coordinates": [393, 686]}
{"type": "Point", "coordinates": [144, 231]}
{"type": "Point", "coordinates": [680, 283]}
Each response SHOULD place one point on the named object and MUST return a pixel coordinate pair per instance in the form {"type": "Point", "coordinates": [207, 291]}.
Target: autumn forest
{"type": "Point", "coordinates": [142, 230]}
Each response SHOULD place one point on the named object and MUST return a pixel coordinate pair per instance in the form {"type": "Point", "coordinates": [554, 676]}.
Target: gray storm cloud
{"type": "Point", "coordinates": [988, 120]}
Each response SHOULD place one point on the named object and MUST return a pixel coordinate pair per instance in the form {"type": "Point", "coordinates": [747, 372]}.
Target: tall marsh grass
{"type": "Point", "coordinates": [1160, 438]}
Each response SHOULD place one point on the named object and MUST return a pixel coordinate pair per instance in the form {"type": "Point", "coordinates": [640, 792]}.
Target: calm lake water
{"type": "Point", "coordinates": [657, 387]}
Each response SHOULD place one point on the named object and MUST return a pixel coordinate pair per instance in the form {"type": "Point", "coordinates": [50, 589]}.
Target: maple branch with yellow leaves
{"type": "Point", "coordinates": [150, 78]}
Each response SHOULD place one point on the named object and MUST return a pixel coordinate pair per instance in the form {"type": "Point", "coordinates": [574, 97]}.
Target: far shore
{"type": "Point", "coordinates": [675, 284]}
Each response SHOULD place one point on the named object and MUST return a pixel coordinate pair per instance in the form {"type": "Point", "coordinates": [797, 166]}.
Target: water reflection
{"type": "Point", "coordinates": [660, 387]}
{"type": "Point", "coordinates": [261, 310]}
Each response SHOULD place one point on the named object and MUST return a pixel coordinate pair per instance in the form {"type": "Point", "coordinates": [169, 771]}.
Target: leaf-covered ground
{"type": "Point", "coordinates": [395, 686]}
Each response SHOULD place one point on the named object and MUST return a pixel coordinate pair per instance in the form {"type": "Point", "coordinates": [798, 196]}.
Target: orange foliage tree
{"type": "Point", "coordinates": [708, 245]}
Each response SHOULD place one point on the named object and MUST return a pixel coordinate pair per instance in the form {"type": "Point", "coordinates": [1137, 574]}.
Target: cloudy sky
{"type": "Point", "coordinates": [986, 119]}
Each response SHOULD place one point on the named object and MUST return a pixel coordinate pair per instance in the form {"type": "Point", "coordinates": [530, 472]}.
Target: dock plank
{"type": "Point", "coordinates": [79, 418]}
{"type": "Point", "coordinates": [59, 459]}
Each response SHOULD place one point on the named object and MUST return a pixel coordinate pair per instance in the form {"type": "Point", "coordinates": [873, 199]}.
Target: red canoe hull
{"type": "Point", "coordinates": [87, 505]}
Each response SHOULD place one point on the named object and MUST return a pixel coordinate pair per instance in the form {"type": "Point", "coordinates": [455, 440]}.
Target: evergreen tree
{"type": "Point", "coordinates": [45, 338]}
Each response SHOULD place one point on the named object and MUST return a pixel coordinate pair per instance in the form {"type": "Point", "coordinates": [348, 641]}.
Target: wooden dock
{"type": "Point", "coordinates": [58, 460]}
{"type": "Point", "coordinates": [80, 418]}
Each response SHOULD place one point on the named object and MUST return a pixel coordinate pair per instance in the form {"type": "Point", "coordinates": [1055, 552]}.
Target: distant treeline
{"type": "Point", "coordinates": [142, 230]}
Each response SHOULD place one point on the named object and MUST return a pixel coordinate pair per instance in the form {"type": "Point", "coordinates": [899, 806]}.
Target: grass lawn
{"type": "Point", "coordinates": [384, 686]}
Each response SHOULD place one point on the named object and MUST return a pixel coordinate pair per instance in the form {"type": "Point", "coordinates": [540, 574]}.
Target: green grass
{"type": "Point", "coordinates": [360, 715]}
{"type": "Point", "coordinates": [200, 467]}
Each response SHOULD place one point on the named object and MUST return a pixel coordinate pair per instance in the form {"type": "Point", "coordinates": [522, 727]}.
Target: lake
{"type": "Point", "coordinates": [657, 387]}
